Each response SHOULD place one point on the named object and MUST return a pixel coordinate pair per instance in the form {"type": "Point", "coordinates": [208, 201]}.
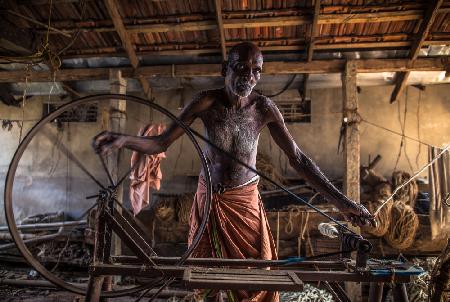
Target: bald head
{"type": "Point", "coordinates": [242, 71]}
{"type": "Point", "coordinates": [244, 50]}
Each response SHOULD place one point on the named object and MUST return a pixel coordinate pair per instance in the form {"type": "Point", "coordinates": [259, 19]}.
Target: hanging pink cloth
{"type": "Point", "coordinates": [148, 172]}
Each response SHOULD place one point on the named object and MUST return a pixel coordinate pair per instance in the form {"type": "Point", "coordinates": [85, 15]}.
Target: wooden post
{"type": "Point", "coordinates": [351, 150]}
{"type": "Point", "coordinates": [100, 254]}
{"type": "Point", "coordinates": [118, 124]}
{"type": "Point", "coordinates": [113, 119]}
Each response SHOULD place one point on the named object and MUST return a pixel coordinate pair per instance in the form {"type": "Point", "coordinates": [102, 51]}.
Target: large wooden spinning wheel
{"type": "Point", "coordinates": [35, 157]}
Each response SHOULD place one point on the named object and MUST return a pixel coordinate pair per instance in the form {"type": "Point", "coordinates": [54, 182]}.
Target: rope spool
{"type": "Point", "coordinates": [403, 227]}
{"type": "Point", "coordinates": [408, 193]}
{"type": "Point", "coordinates": [382, 191]}
{"type": "Point", "coordinates": [383, 219]}
{"type": "Point", "coordinates": [164, 210]}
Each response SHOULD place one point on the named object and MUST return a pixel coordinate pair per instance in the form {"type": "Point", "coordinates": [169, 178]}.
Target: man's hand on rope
{"type": "Point", "coordinates": [105, 142]}
{"type": "Point", "coordinates": [358, 215]}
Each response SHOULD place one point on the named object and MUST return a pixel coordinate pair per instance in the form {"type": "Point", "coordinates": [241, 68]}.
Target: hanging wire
{"type": "Point", "coordinates": [396, 133]}
{"type": "Point", "coordinates": [43, 54]}
{"type": "Point", "coordinates": [24, 98]}
{"type": "Point", "coordinates": [418, 127]}
{"type": "Point", "coordinates": [404, 130]}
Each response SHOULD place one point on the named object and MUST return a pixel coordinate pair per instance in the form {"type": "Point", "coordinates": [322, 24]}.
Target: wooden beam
{"type": "Point", "coordinates": [370, 17]}
{"type": "Point", "coordinates": [401, 80]}
{"type": "Point", "coordinates": [69, 89]}
{"type": "Point", "coordinates": [218, 5]}
{"type": "Point", "coordinates": [213, 70]}
{"type": "Point", "coordinates": [113, 10]}
{"type": "Point", "coordinates": [351, 141]}
{"type": "Point", "coordinates": [294, 45]}
{"type": "Point", "coordinates": [232, 21]}
{"type": "Point", "coordinates": [314, 30]}
{"type": "Point", "coordinates": [310, 47]}
{"type": "Point", "coordinates": [117, 123]}
{"type": "Point", "coordinates": [45, 2]}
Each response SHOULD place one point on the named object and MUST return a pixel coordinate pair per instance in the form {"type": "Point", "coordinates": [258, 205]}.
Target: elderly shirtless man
{"type": "Point", "coordinates": [234, 117]}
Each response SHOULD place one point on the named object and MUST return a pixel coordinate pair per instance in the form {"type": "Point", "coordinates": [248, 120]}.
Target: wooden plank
{"type": "Point", "coordinates": [116, 110]}
{"type": "Point", "coordinates": [218, 6]}
{"type": "Point", "coordinates": [209, 70]}
{"type": "Point", "coordinates": [45, 2]}
{"type": "Point", "coordinates": [314, 30]}
{"type": "Point", "coordinates": [310, 47]}
{"type": "Point", "coordinates": [370, 17]}
{"type": "Point", "coordinates": [172, 27]}
{"type": "Point", "coordinates": [351, 136]}
{"type": "Point", "coordinates": [230, 21]}
{"type": "Point", "coordinates": [351, 186]}
{"type": "Point", "coordinates": [303, 275]}
{"type": "Point", "coordinates": [250, 279]}
{"type": "Point", "coordinates": [425, 27]}
{"type": "Point", "coordinates": [401, 80]}
{"type": "Point", "coordinates": [287, 45]}
{"type": "Point", "coordinates": [113, 10]}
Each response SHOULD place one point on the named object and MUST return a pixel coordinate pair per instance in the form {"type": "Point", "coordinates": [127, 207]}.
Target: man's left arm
{"type": "Point", "coordinates": [309, 171]}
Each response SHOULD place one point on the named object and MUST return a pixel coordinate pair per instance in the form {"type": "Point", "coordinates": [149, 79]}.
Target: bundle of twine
{"type": "Point", "coordinates": [383, 219]}
{"type": "Point", "coordinates": [408, 193]}
{"type": "Point", "coordinates": [403, 227]}
{"type": "Point", "coordinates": [164, 210]}
{"type": "Point", "coordinates": [380, 192]}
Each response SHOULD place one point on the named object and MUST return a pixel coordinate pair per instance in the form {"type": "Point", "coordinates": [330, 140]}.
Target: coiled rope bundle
{"type": "Point", "coordinates": [408, 193]}
{"type": "Point", "coordinates": [403, 227]}
{"type": "Point", "coordinates": [383, 219]}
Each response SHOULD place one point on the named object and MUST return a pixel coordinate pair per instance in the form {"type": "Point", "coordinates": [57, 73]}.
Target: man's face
{"type": "Point", "coordinates": [244, 71]}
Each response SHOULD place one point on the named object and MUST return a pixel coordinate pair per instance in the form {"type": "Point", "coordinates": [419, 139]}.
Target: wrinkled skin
{"type": "Point", "coordinates": [234, 117]}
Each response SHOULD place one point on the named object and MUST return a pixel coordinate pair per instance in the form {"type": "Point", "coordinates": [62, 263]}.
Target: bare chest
{"type": "Point", "coordinates": [232, 130]}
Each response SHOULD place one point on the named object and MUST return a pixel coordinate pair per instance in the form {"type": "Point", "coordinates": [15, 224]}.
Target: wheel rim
{"type": "Point", "coordinates": [8, 200]}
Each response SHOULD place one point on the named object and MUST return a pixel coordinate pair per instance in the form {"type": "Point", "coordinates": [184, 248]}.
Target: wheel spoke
{"type": "Point", "coordinates": [105, 167]}
{"type": "Point", "coordinates": [71, 156]}
{"type": "Point", "coordinates": [134, 166]}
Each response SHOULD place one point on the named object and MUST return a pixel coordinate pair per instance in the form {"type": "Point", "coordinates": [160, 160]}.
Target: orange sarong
{"type": "Point", "coordinates": [242, 230]}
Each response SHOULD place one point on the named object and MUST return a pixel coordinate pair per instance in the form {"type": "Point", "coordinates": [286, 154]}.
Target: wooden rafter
{"type": "Point", "coordinates": [207, 70]}
{"type": "Point", "coordinates": [322, 43]}
{"type": "Point", "coordinates": [218, 5]}
{"type": "Point", "coordinates": [310, 47]}
{"type": "Point", "coordinates": [234, 21]}
{"type": "Point", "coordinates": [424, 29]}
{"type": "Point", "coordinates": [113, 10]}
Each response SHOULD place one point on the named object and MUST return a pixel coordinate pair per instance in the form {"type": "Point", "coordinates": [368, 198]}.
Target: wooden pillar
{"type": "Point", "coordinates": [118, 124]}
{"type": "Point", "coordinates": [114, 119]}
{"type": "Point", "coordinates": [351, 151]}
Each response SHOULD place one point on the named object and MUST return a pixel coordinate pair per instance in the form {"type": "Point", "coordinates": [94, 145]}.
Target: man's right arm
{"type": "Point", "coordinates": [106, 141]}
